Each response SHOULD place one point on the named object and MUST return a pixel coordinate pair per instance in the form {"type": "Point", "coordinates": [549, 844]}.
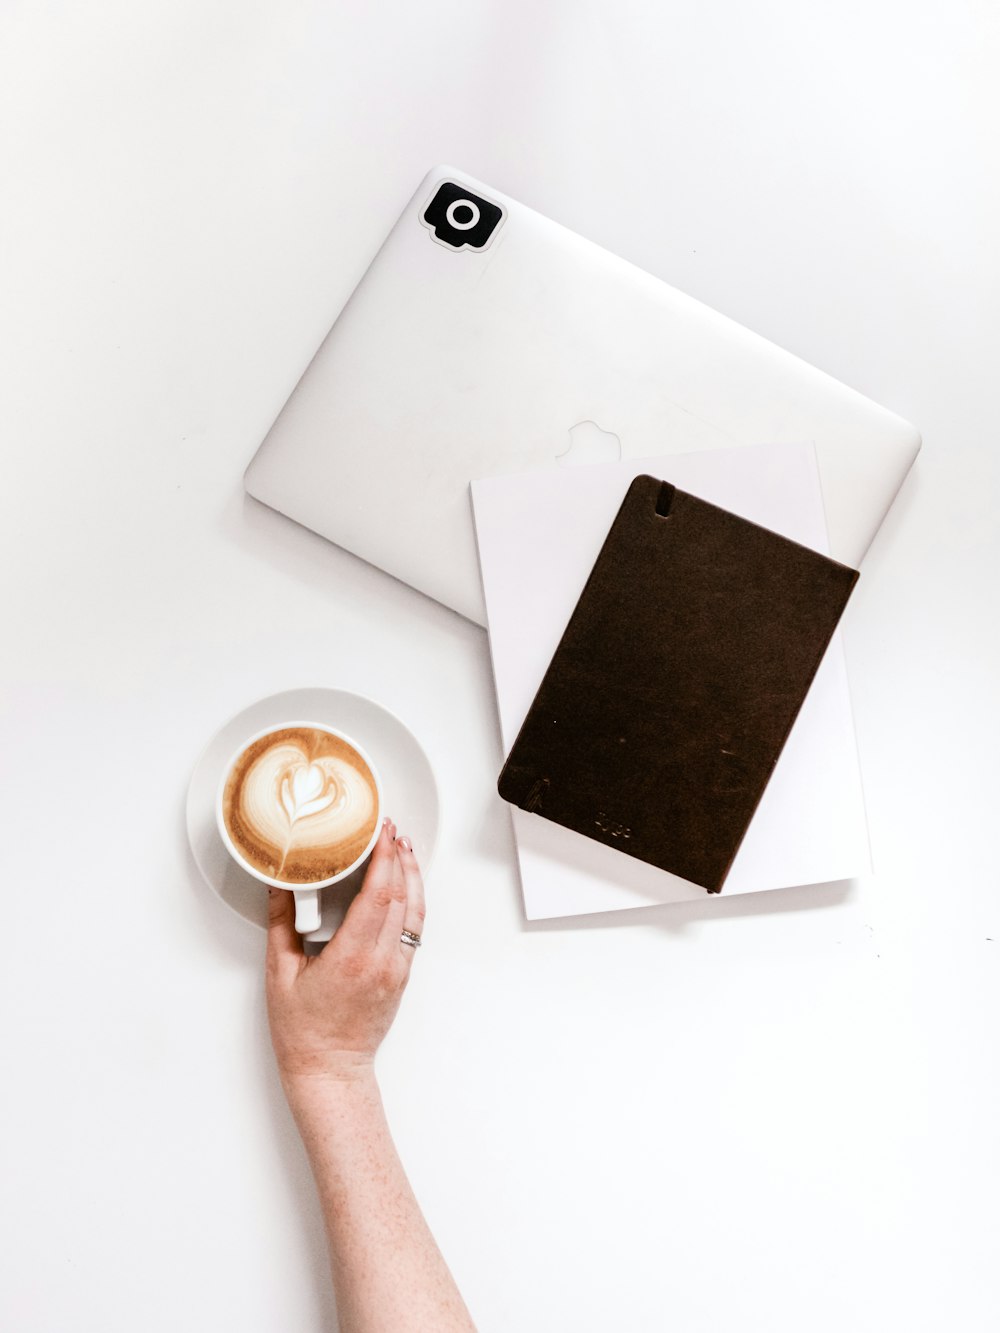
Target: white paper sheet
{"type": "Point", "coordinates": [539, 536]}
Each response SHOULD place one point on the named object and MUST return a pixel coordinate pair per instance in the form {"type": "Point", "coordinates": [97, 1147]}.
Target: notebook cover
{"type": "Point", "coordinates": [673, 689]}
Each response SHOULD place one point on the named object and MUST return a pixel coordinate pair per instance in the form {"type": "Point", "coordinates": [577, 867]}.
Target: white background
{"type": "Point", "coordinates": [775, 1114]}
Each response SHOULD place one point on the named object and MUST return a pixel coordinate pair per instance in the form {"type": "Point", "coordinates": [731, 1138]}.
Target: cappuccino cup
{"type": "Point", "coordinates": [299, 808]}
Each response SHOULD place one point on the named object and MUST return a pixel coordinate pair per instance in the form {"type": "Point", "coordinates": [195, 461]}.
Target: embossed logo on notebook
{"type": "Point", "coordinates": [611, 828]}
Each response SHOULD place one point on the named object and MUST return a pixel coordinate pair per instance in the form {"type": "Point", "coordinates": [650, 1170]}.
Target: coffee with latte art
{"type": "Point", "coordinates": [300, 805]}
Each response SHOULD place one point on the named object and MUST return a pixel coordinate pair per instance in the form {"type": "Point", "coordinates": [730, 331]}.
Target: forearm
{"type": "Point", "coordinates": [387, 1270]}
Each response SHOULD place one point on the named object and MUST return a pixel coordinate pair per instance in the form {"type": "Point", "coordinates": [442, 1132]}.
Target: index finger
{"type": "Point", "coordinates": [367, 912]}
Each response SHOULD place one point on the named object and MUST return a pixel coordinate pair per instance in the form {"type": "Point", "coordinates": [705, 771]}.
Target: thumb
{"type": "Point", "coordinates": [283, 943]}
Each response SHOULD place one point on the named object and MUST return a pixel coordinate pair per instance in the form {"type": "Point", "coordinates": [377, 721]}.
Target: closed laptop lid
{"type": "Point", "coordinates": [484, 339]}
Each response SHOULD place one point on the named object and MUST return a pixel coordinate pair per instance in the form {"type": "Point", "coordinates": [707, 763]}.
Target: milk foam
{"type": "Point", "coordinates": [301, 805]}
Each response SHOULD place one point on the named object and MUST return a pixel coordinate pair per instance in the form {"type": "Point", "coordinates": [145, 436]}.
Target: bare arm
{"type": "Point", "coordinates": [328, 1016]}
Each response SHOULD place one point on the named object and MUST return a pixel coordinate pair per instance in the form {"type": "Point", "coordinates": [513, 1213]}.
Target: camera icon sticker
{"type": "Point", "coordinates": [460, 219]}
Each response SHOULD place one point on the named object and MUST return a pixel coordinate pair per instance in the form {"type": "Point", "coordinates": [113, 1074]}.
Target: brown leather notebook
{"type": "Point", "coordinates": [673, 689]}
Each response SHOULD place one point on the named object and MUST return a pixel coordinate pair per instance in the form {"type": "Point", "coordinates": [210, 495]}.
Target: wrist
{"type": "Point", "coordinates": [335, 1111]}
{"type": "Point", "coordinates": [339, 1077]}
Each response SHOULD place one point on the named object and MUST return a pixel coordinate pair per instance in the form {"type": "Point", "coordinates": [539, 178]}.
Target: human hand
{"type": "Point", "coordinates": [329, 1013]}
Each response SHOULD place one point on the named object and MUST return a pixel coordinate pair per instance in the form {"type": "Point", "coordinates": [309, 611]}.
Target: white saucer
{"type": "Point", "coordinates": [410, 793]}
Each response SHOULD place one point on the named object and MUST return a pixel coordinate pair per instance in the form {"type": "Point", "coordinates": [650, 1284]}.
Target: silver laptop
{"type": "Point", "coordinates": [485, 339]}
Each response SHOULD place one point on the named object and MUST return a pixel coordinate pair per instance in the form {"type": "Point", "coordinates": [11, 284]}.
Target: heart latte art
{"type": "Point", "coordinates": [300, 805]}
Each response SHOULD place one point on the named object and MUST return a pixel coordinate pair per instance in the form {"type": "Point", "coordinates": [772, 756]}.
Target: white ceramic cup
{"type": "Point", "coordinates": [307, 913]}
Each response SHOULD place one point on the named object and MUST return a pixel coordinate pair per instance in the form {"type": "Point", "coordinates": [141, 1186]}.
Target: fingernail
{"type": "Point", "coordinates": [405, 843]}
{"type": "Point", "coordinates": [385, 822]}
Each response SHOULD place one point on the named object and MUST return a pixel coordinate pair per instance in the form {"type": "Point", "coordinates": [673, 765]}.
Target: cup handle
{"type": "Point", "coordinates": [307, 917]}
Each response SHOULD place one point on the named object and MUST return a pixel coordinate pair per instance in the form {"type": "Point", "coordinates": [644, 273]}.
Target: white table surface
{"type": "Point", "coordinates": [772, 1113]}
